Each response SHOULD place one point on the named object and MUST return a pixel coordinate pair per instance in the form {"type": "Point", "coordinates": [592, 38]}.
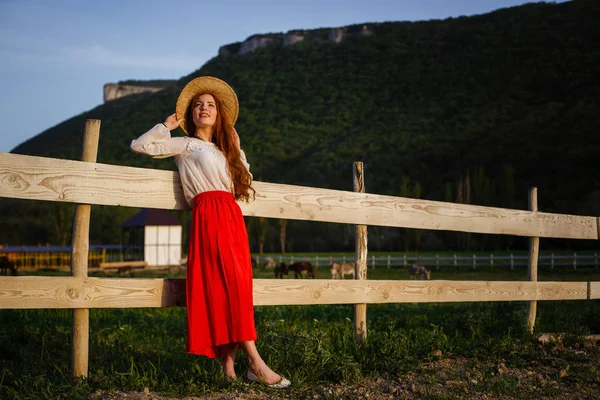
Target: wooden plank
{"type": "Point", "coordinates": [79, 259]}
{"type": "Point", "coordinates": [39, 178]}
{"type": "Point", "coordinates": [532, 270]}
{"type": "Point", "coordinates": [121, 264]}
{"type": "Point", "coordinates": [594, 290]}
{"type": "Point", "coordinates": [70, 292]}
{"type": "Point", "coordinates": [360, 267]}
{"type": "Point", "coordinates": [314, 204]}
{"type": "Point", "coordinates": [270, 292]}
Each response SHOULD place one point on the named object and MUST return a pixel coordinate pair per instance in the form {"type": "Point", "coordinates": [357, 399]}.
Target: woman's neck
{"type": "Point", "coordinates": [204, 133]}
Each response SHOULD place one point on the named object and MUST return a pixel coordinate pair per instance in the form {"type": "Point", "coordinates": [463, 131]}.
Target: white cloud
{"type": "Point", "coordinates": [22, 49]}
{"type": "Point", "coordinates": [25, 51]}
{"type": "Point", "coordinates": [100, 55]}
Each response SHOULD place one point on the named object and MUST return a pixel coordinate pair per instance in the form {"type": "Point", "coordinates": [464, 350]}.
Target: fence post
{"type": "Point", "coordinates": [491, 259]}
{"type": "Point", "coordinates": [534, 248]}
{"type": "Point", "coordinates": [512, 261]}
{"type": "Point", "coordinates": [404, 260]}
{"type": "Point", "coordinates": [552, 261]}
{"type": "Point", "coordinates": [595, 260]}
{"type": "Point", "coordinates": [317, 261]}
{"type": "Point", "coordinates": [373, 261]}
{"type": "Point", "coordinates": [437, 262]}
{"type": "Point", "coordinates": [574, 261]}
{"type": "Point", "coordinates": [389, 261]}
{"type": "Point", "coordinates": [455, 263]}
{"type": "Point", "coordinates": [79, 259]}
{"type": "Point", "coordinates": [360, 272]}
{"type": "Point", "coordinates": [474, 261]}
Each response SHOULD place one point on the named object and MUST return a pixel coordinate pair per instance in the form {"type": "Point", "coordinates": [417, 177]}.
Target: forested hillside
{"type": "Point", "coordinates": [472, 109]}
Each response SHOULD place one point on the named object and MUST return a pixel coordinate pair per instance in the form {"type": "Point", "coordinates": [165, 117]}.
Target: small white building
{"type": "Point", "coordinates": [159, 233]}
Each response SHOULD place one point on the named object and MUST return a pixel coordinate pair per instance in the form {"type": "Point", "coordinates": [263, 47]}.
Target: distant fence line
{"type": "Point", "coordinates": [37, 257]}
{"type": "Point", "coordinates": [520, 260]}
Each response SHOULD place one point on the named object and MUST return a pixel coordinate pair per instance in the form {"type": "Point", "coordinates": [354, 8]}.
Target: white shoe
{"type": "Point", "coordinates": [283, 382]}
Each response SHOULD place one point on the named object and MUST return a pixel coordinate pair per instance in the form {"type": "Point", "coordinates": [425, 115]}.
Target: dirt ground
{"type": "Point", "coordinates": [558, 372]}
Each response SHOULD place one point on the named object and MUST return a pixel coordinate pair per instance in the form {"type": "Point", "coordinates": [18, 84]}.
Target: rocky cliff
{"type": "Point", "coordinates": [295, 36]}
{"type": "Point", "coordinates": [114, 91]}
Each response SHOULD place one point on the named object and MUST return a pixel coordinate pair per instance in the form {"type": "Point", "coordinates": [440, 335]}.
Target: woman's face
{"type": "Point", "coordinates": [204, 111]}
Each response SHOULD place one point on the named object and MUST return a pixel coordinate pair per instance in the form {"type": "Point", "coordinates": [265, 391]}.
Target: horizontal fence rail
{"type": "Point", "coordinates": [72, 292]}
{"type": "Point", "coordinates": [39, 178]}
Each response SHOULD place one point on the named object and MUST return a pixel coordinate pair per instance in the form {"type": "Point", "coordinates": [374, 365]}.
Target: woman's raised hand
{"type": "Point", "coordinates": [172, 122]}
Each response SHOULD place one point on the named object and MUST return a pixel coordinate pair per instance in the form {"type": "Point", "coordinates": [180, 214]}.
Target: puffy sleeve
{"type": "Point", "coordinates": [245, 162]}
{"type": "Point", "coordinates": [158, 143]}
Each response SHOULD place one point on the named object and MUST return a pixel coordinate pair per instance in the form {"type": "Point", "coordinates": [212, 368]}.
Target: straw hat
{"type": "Point", "coordinates": [211, 85]}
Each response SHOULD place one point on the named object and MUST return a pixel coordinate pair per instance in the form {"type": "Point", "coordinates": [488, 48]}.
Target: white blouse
{"type": "Point", "coordinates": [202, 166]}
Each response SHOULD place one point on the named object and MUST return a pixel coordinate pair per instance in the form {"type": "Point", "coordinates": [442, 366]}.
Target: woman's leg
{"type": "Point", "coordinates": [228, 360]}
{"type": "Point", "coordinates": [257, 365]}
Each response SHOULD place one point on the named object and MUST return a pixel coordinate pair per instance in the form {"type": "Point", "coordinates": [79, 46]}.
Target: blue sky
{"type": "Point", "coordinates": [57, 55]}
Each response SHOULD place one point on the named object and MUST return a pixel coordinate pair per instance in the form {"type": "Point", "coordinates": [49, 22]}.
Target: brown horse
{"type": "Point", "coordinates": [416, 270]}
{"type": "Point", "coordinates": [6, 265]}
{"type": "Point", "coordinates": [303, 267]}
{"type": "Point", "coordinates": [338, 271]}
{"type": "Point", "coordinates": [280, 270]}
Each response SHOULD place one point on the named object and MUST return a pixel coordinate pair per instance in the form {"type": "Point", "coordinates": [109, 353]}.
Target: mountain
{"type": "Point", "coordinates": [471, 109]}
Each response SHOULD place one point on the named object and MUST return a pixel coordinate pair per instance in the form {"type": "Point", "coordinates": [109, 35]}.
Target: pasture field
{"type": "Point", "coordinates": [431, 351]}
{"type": "Point", "coordinates": [498, 272]}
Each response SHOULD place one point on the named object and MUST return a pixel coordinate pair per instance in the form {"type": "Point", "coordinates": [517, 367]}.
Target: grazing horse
{"type": "Point", "coordinates": [338, 271]}
{"type": "Point", "coordinates": [281, 270]}
{"type": "Point", "coordinates": [302, 267]}
{"type": "Point", "coordinates": [6, 265]}
{"type": "Point", "coordinates": [420, 271]}
{"type": "Point", "coordinates": [269, 263]}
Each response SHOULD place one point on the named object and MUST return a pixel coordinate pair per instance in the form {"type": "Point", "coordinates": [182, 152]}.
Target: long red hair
{"type": "Point", "coordinates": [224, 137]}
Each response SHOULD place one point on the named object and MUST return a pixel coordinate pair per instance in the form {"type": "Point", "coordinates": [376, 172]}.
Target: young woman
{"type": "Point", "coordinates": [214, 174]}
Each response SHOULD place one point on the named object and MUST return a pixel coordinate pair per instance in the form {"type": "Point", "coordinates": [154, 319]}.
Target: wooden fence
{"type": "Point", "coordinates": [90, 183]}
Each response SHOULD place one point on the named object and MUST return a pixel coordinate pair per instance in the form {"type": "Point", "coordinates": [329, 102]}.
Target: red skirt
{"type": "Point", "coordinates": [219, 276]}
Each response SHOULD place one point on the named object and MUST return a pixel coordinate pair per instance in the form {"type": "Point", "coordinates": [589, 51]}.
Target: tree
{"type": "Point", "coordinates": [282, 233]}
{"type": "Point", "coordinates": [262, 228]}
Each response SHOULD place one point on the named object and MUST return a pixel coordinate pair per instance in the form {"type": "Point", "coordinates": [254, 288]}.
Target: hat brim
{"type": "Point", "coordinates": [211, 85]}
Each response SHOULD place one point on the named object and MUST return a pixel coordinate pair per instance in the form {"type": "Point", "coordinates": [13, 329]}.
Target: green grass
{"type": "Point", "coordinates": [131, 349]}
{"type": "Point", "coordinates": [135, 348]}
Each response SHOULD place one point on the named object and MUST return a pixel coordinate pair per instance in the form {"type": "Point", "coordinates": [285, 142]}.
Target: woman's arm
{"type": "Point", "coordinates": [245, 162]}
{"type": "Point", "coordinates": [242, 154]}
{"type": "Point", "coordinates": [158, 143]}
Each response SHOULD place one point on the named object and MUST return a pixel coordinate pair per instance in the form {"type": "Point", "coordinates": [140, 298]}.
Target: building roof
{"type": "Point", "coordinates": [151, 216]}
